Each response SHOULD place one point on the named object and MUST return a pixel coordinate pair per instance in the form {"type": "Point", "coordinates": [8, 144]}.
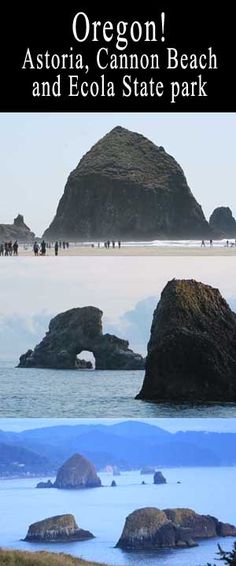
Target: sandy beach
{"type": "Point", "coordinates": [170, 251]}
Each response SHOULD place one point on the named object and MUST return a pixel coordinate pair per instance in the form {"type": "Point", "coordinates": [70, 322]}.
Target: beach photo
{"type": "Point", "coordinates": [117, 184]}
{"type": "Point", "coordinates": [129, 336]}
{"type": "Point", "coordinates": [117, 492]}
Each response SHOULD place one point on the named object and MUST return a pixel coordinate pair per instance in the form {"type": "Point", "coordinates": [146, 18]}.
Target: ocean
{"type": "Point", "coordinates": [153, 243]}
{"type": "Point", "coordinates": [87, 394]}
{"type": "Point", "coordinates": [103, 512]}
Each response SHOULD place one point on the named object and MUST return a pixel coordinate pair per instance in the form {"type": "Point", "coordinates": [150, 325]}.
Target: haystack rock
{"type": "Point", "coordinates": [223, 222]}
{"type": "Point", "coordinates": [16, 231]}
{"type": "Point", "coordinates": [192, 348]}
{"type": "Point", "coordinates": [151, 528]}
{"type": "Point", "coordinates": [77, 330]}
{"type": "Point", "coordinates": [127, 188]}
{"type": "Point", "coordinates": [61, 528]}
{"type": "Point", "coordinates": [77, 473]}
{"type": "Point", "coordinates": [159, 478]}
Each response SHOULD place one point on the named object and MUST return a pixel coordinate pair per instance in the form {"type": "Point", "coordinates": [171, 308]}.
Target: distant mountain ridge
{"type": "Point", "coordinates": [127, 445]}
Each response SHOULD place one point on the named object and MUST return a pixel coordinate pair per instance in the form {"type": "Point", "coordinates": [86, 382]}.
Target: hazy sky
{"type": "Point", "coordinates": [126, 289]}
{"type": "Point", "coordinates": [114, 284]}
{"type": "Point", "coordinates": [38, 151]}
{"type": "Point", "coordinates": [172, 425]}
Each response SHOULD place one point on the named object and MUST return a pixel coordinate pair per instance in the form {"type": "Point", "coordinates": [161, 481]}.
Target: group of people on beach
{"type": "Point", "coordinates": [9, 248]}
{"type": "Point", "coordinates": [41, 249]}
{"type": "Point", "coordinates": [108, 244]}
{"type": "Point", "coordinates": [227, 244]}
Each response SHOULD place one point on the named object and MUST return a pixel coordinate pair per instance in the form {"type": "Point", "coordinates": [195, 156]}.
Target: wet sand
{"type": "Point", "coordinates": [171, 251]}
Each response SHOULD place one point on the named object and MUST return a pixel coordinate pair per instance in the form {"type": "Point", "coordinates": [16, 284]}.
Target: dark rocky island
{"type": "Point", "coordinates": [77, 330]}
{"type": "Point", "coordinates": [76, 473]}
{"type": "Point", "coordinates": [159, 478]}
{"type": "Point", "coordinates": [61, 528]}
{"type": "Point", "coordinates": [45, 484]}
{"type": "Point", "coordinates": [16, 231]}
{"type": "Point", "coordinates": [222, 222]}
{"type": "Point", "coordinates": [127, 188]}
{"type": "Point", "coordinates": [192, 348]}
{"type": "Point", "coordinates": [150, 528]}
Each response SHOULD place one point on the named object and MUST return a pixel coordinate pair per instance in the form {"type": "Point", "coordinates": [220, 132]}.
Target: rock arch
{"type": "Point", "coordinates": [77, 330]}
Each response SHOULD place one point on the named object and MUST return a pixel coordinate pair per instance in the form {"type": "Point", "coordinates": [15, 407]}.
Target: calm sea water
{"type": "Point", "coordinates": [103, 511]}
{"type": "Point", "coordinates": [70, 393]}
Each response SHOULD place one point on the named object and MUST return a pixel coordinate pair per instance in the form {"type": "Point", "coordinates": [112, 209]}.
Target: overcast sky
{"type": "Point", "coordinates": [126, 289]}
{"type": "Point", "coordinates": [114, 284]}
{"type": "Point", "coordinates": [38, 151]}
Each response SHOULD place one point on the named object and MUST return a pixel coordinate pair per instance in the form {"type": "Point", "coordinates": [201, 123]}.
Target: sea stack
{"type": "Point", "coordinates": [127, 188]}
{"type": "Point", "coordinates": [192, 347]}
{"type": "Point", "coordinates": [16, 231]}
{"type": "Point", "coordinates": [150, 528]}
{"type": "Point", "coordinates": [77, 330]}
{"type": "Point", "coordinates": [77, 473]}
{"type": "Point", "coordinates": [61, 528]}
{"type": "Point", "coordinates": [158, 478]}
{"type": "Point", "coordinates": [223, 222]}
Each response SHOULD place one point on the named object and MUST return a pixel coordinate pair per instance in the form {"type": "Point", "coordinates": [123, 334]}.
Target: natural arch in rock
{"type": "Point", "coordinates": [85, 360]}
{"type": "Point", "coordinates": [74, 331]}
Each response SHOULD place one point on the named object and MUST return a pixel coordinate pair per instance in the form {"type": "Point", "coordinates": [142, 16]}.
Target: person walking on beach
{"type": "Point", "coordinates": [2, 249]}
{"type": "Point", "coordinates": [56, 248]}
{"type": "Point", "coordinates": [15, 248]}
{"type": "Point", "coordinates": [203, 245]}
{"type": "Point", "coordinates": [43, 247]}
{"type": "Point", "coordinates": [36, 248]}
{"type": "Point", "coordinates": [6, 249]}
{"type": "Point", "coordinates": [119, 244]}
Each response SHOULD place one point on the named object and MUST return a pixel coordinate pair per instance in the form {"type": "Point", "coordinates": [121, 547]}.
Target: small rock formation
{"type": "Point", "coordinates": [223, 222]}
{"type": "Point", "coordinates": [151, 528]}
{"type": "Point", "coordinates": [76, 473]}
{"type": "Point", "coordinates": [61, 528]}
{"type": "Point", "coordinates": [113, 483]}
{"type": "Point", "coordinates": [77, 330]}
{"type": "Point", "coordinates": [16, 231]}
{"type": "Point", "coordinates": [127, 188]}
{"type": "Point", "coordinates": [45, 484]}
{"type": "Point", "coordinates": [83, 364]}
{"type": "Point", "coordinates": [192, 348]}
{"type": "Point", "coordinates": [159, 478]}
{"type": "Point", "coordinates": [147, 470]}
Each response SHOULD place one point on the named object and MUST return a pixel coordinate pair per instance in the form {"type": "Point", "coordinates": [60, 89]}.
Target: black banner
{"type": "Point", "coordinates": [78, 57]}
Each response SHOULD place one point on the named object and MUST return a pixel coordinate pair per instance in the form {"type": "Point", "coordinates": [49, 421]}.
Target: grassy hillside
{"type": "Point", "coordinates": [18, 558]}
